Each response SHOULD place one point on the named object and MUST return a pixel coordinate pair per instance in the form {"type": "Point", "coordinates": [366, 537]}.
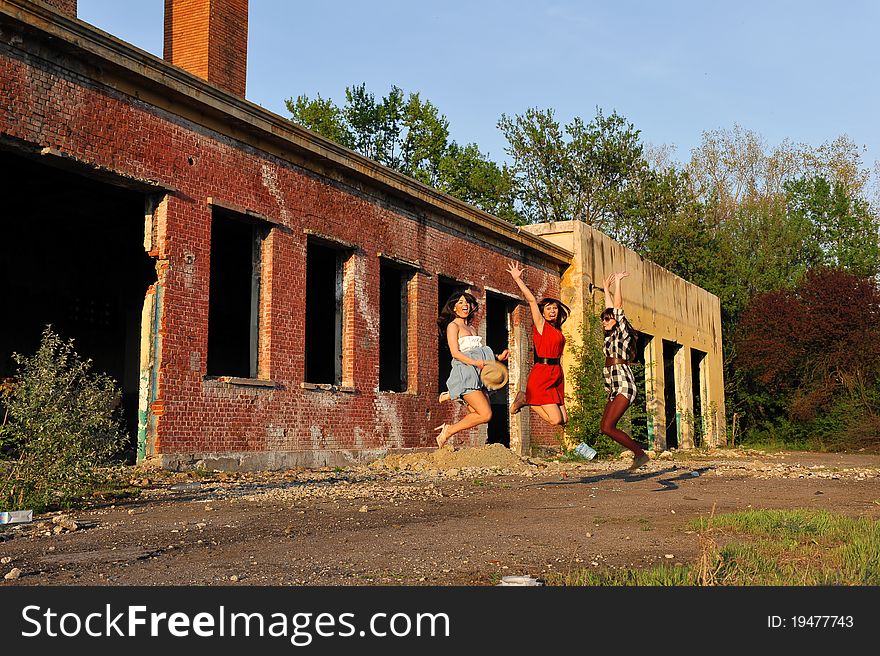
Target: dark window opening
{"type": "Point", "coordinates": [672, 418]}
{"type": "Point", "coordinates": [323, 309]}
{"type": "Point", "coordinates": [498, 320]}
{"type": "Point", "coordinates": [234, 297]}
{"type": "Point", "coordinates": [72, 255]}
{"type": "Point", "coordinates": [393, 326]}
{"type": "Point", "coordinates": [697, 384]}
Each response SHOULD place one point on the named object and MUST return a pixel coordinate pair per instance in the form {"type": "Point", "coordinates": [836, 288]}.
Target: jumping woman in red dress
{"type": "Point", "coordinates": [545, 389]}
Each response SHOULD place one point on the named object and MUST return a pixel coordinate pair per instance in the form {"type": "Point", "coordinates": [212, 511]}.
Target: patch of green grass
{"type": "Point", "coordinates": [663, 575]}
{"type": "Point", "coordinates": [115, 492]}
{"type": "Point", "coordinates": [477, 482]}
{"type": "Point", "coordinates": [764, 547]}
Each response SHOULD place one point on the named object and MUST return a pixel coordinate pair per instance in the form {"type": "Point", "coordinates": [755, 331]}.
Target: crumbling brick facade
{"type": "Point", "coordinates": [194, 152]}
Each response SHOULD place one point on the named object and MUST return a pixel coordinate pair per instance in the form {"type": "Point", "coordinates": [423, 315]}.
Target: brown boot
{"type": "Point", "coordinates": [518, 403]}
{"type": "Point", "coordinates": [639, 461]}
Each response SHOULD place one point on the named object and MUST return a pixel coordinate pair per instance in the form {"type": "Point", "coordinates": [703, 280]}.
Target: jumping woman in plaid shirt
{"type": "Point", "coordinates": [619, 382]}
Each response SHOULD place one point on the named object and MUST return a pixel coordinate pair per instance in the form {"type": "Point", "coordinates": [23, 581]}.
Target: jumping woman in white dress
{"type": "Point", "coordinates": [469, 356]}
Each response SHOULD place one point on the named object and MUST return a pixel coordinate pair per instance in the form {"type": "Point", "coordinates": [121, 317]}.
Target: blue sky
{"type": "Point", "coordinates": [806, 71]}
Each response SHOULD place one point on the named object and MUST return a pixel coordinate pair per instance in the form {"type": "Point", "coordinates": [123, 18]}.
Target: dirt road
{"type": "Point", "coordinates": [463, 518]}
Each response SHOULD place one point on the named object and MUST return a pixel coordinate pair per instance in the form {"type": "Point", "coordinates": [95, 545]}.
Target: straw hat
{"type": "Point", "coordinates": [494, 375]}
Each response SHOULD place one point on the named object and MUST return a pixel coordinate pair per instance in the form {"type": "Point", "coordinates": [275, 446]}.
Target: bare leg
{"type": "Point", "coordinates": [478, 400]}
{"type": "Point", "coordinates": [551, 413]}
{"type": "Point", "coordinates": [614, 410]}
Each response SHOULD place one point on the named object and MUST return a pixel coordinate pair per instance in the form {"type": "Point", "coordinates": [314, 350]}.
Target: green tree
{"type": "Point", "coordinates": [593, 172]}
{"type": "Point", "coordinates": [321, 116]}
{"type": "Point", "coordinates": [843, 228]}
{"type": "Point", "coordinates": [410, 135]}
{"type": "Point", "coordinates": [469, 175]}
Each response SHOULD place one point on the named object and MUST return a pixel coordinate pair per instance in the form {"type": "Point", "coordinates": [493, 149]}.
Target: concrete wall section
{"type": "Point", "coordinates": [659, 304]}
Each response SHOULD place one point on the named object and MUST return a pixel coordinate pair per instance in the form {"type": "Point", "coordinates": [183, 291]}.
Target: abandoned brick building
{"type": "Point", "coordinates": [265, 297]}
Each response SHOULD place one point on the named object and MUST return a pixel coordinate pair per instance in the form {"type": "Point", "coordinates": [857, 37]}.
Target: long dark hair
{"type": "Point", "coordinates": [608, 313]}
{"type": "Point", "coordinates": [561, 316]}
{"type": "Point", "coordinates": [447, 314]}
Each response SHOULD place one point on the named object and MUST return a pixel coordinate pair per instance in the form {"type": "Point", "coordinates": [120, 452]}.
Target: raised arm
{"type": "Point", "coordinates": [516, 271]}
{"type": "Point", "coordinates": [618, 298]}
{"type": "Point", "coordinates": [617, 301]}
{"type": "Point", "coordinates": [452, 340]}
{"type": "Point", "coordinates": [607, 283]}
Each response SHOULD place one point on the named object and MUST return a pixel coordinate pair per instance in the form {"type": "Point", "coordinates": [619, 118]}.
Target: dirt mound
{"type": "Point", "coordinates": [483, 457]}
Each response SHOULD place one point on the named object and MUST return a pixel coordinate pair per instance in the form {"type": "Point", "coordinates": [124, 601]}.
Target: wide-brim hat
{"type": "Point", "coordinates": [494, 375]}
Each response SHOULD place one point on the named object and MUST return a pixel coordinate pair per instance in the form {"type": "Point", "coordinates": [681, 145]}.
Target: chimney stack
{"type": "Point", "coordinates": [66, 7]}
{"type": "Point", "coordinates": [209, 38]}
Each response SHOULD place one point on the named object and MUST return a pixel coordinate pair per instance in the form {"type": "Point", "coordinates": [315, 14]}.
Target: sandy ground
{"type": "Point", "coordinates": [450, 517]}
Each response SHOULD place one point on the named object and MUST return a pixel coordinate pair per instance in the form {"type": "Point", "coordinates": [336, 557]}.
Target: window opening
{"type": "Point", "coordinates": [394, 282]}
{"type": "Point", "coordinates": [672, 416]}
{"type": "Point", "coordinates": [234, 297]}
{"type": "Point", "coordinates": [324, 312]}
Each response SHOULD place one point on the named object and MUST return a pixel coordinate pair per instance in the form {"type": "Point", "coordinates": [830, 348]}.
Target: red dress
{"type": "Point", "coordinates": [546, 384]}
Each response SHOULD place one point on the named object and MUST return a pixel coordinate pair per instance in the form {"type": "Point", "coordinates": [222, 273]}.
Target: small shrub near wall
{"type": "Point", "coordinates": [62, 422]}
{"type": "Point", "coordinates": [586, 401]}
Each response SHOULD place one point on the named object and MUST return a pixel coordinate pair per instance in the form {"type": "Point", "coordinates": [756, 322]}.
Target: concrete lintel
{"type": "Point", "coordinates": [244, 211]}
{"type": "Point", "coordinates": [331, 241]}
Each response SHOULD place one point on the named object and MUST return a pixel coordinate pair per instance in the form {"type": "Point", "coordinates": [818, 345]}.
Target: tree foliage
{"type": "Point", "coordinates": [815, 346]}
{"type": "Point", "coordinates": [844, 233]}
{"type": "Point", "coordinates": [410, 135]}
{"type": "Point", "coordinates": [593, 172]}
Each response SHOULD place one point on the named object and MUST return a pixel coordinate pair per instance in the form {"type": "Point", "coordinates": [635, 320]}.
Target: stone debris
{"type": "Point", "coordinates": [12, 574]}
{"type": "Point", "coordinates": [416, 475]}
{"type": "Point", "coordinates": [64, 523]}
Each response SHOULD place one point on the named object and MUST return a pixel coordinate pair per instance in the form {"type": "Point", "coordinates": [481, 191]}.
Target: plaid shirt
{"type": "Point", "coordinates": [621, 339]}
{"type": "Point", "coordinates": [619, 377]}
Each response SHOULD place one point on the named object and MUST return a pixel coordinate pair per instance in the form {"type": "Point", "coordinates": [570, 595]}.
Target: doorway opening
{"type": "Point", "coordinates": [72, 256]}
{"type": "Point", "coordinates": [498, 322]}
{"type": "Point", "coordinates": [642, 424]}
{"type": "Point", "coordinates": [673, 417]}
{"type": "Point", "coordinates": [698, 387]}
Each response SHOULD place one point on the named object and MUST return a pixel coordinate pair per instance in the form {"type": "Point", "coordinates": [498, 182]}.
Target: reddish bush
{"type": "Point", "coordinates": [808, 342]}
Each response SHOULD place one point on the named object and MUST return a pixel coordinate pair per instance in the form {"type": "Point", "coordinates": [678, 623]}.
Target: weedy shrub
{"type": "Point", "coordinates": [588, 397]}
{"type": "Point", "coordinates": [63, 422]}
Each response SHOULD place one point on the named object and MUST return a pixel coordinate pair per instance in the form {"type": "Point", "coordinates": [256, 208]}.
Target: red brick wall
{"type": "Point", "coordinates": [67, 7]}
{"type": "Point", "coordinates": [50, 107]}
{"type": "Point", "coordinates": [209, 38]}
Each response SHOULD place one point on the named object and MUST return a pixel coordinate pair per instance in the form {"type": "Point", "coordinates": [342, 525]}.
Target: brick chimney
{"type": "Point", "coordinates": [209, 38]}
{"type": "Point", "coordinates": [66, 7]}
